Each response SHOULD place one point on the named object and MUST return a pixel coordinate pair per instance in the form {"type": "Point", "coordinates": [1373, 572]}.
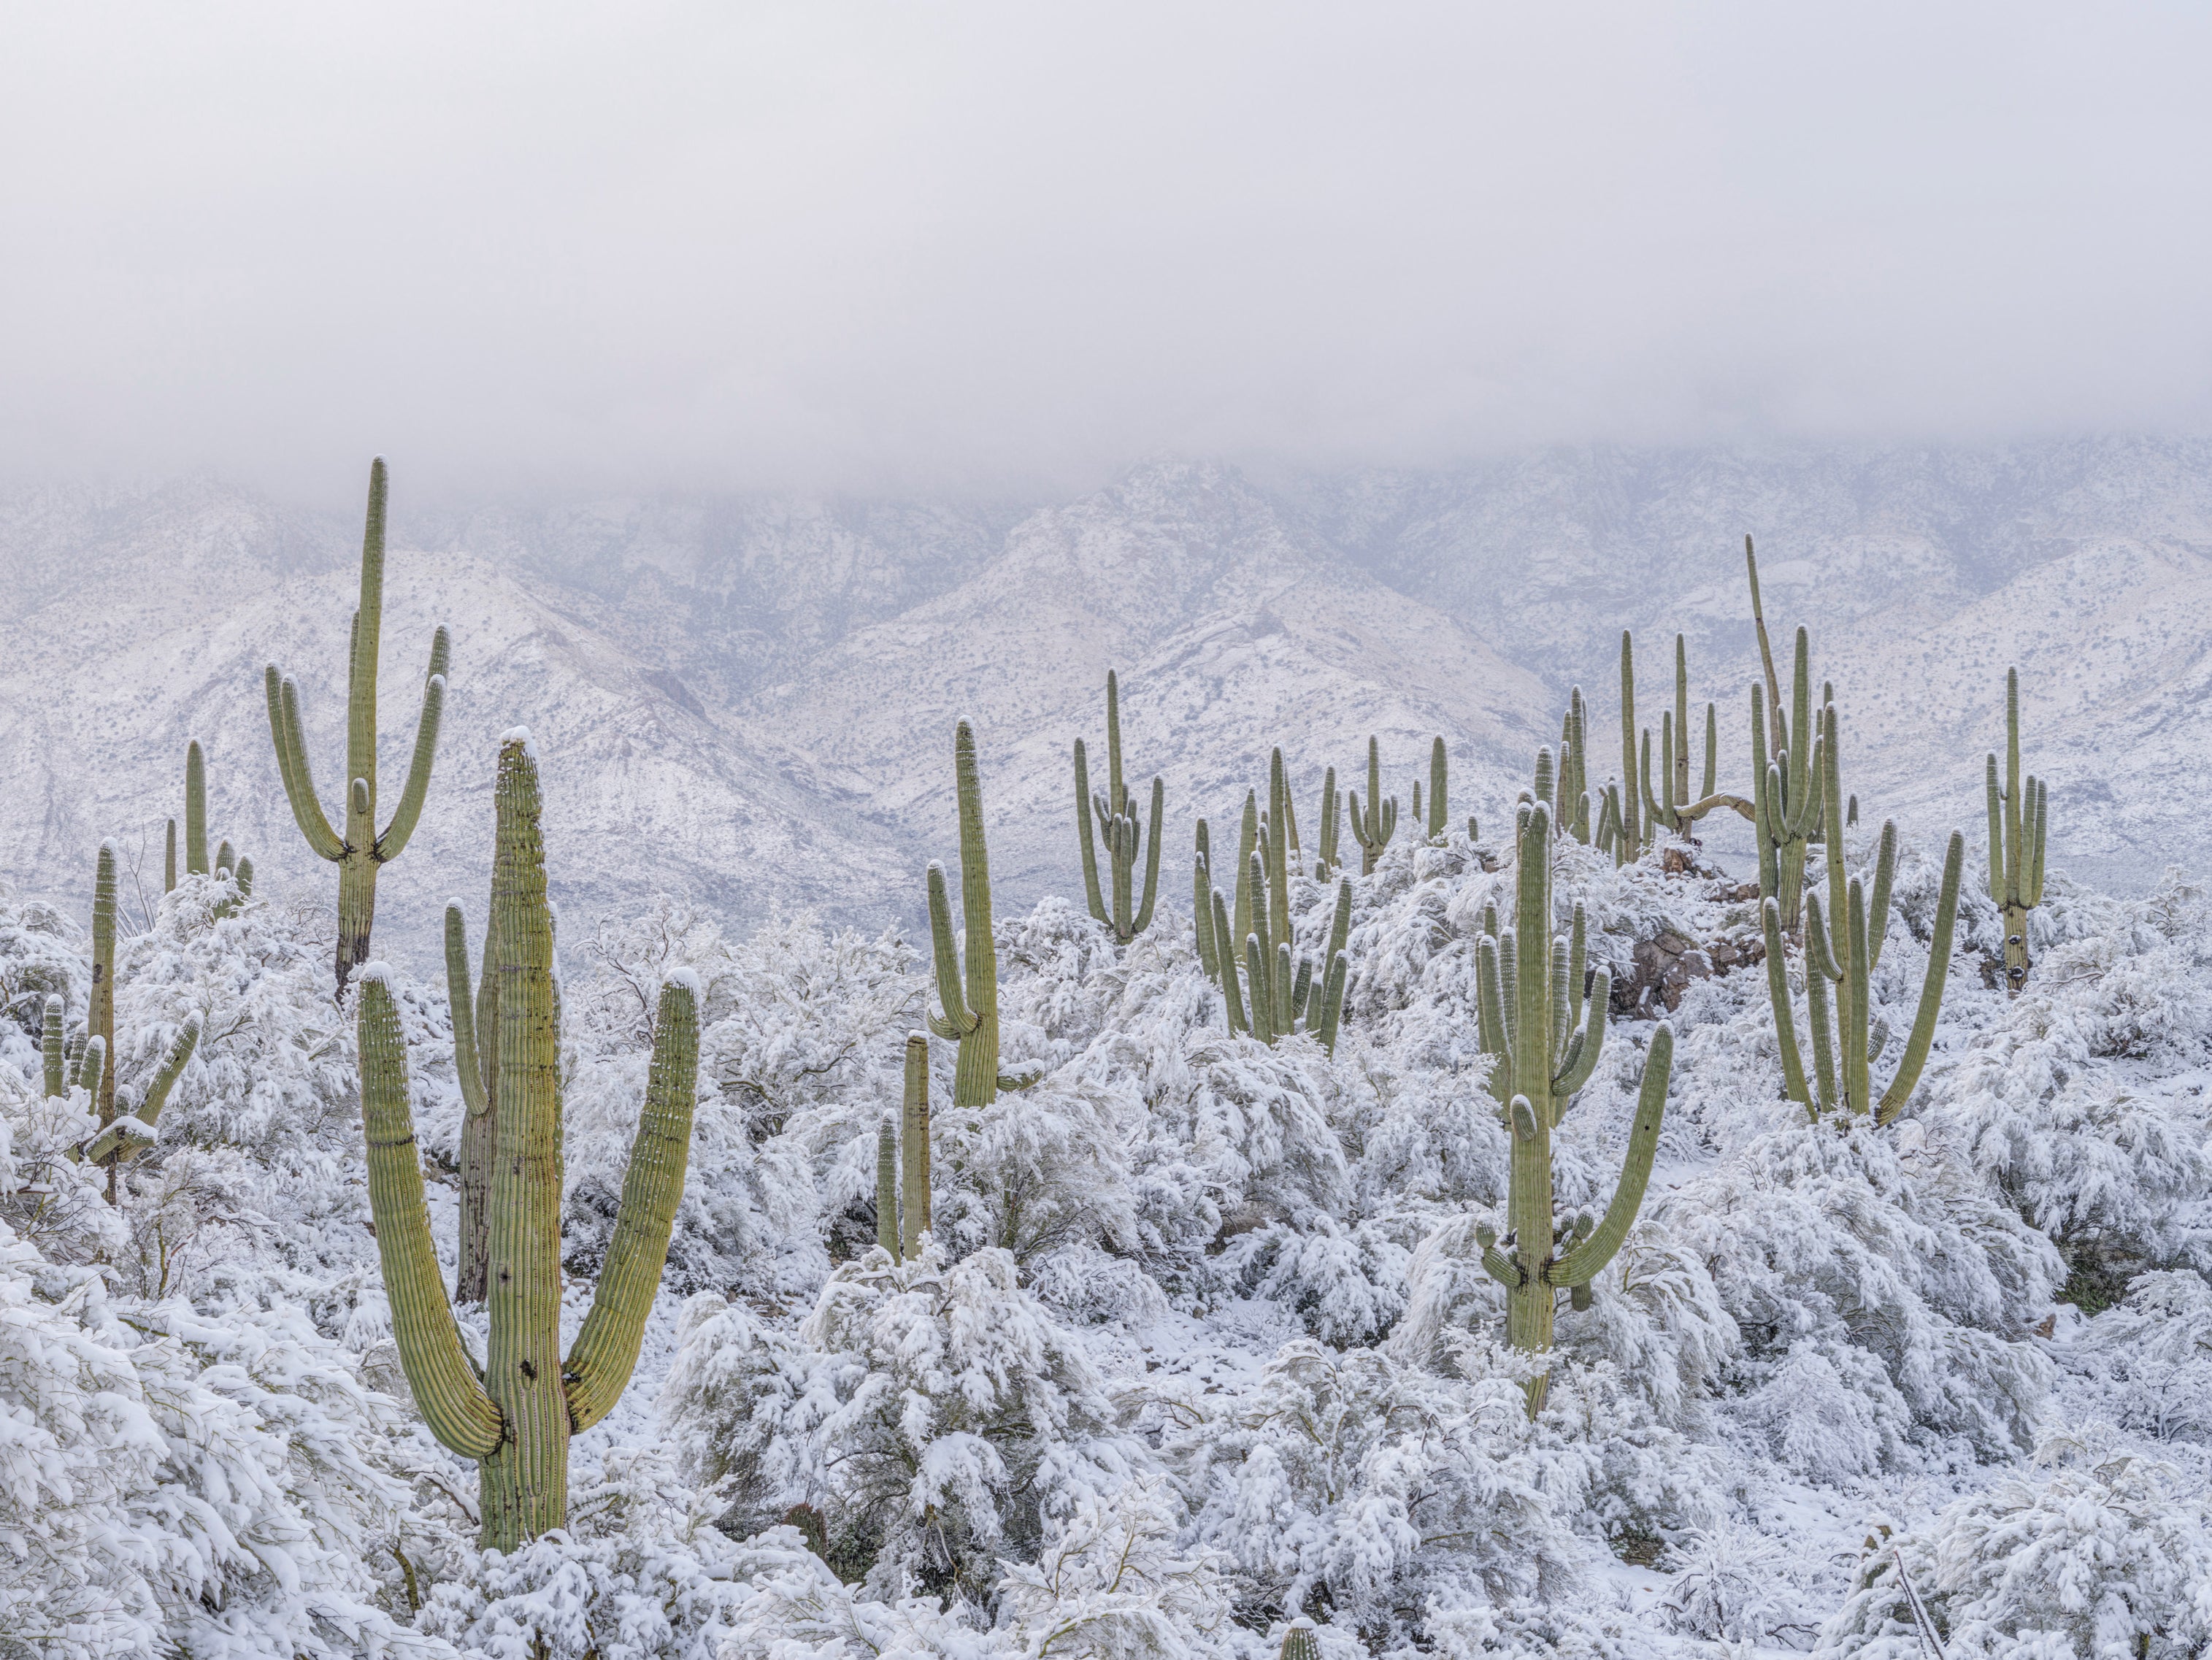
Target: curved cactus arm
{"type": "Point", "coordinates": [1027, 1078]}
{"type": "Point", "coordinates": [172, 1066]}
{"type": "Point", "coordinates": [196, 825]}
{"type": "Point", "coordinates": [393, 840]}
{"type": "Point", "coordinates": [1785, 1018]}
{"type": "Point", "coordinates": [444, 1381]}
{"type": "Point", "coordinates": [1582, 1264]}
{"type": "Point", "coordinates": [1734, 804]}
{"type": "Point", "coordinates": [599, 1365]}
{"type": "Point", "coordinates": [1885, 872]}
{"type": "Point", "coordinates": [958, 1019]}
{"type": "Point", "coordinates": [2035, 894]}
{"type": "Point", "coordinates": [53, 1047]}
{"type": "Point", "coordinates": [1491, 1005]}
{"type": "Point", "coordinates": [1582, 1056]}
{"type": "Point", "coordinates": [292, 766]}
{"type": "Point", "coordinates": [1502, 1268]}
{"type": "Point", "coordinates": [1931, 988]}
{"type": "Point", "coordinates": [1151, 858]}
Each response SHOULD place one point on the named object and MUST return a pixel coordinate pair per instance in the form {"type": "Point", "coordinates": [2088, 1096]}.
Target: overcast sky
{"type": "Point", "coordinates": [967, 245]}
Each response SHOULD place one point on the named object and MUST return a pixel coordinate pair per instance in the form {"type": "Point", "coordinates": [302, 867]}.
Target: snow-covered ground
{"type": "Point", "coordinates": [1201, 1343]}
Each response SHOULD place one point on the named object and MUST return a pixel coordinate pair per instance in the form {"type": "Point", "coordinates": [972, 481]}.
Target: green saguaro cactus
{"type": "Point", "coordinates": [1326, 864]}
{"type": "Point", "coordinates": [903, 1163]}
{"type": "Point", "coordinates": [120, 1138]}
{"type": "Point", "coordinates": [99, 1019]}
{"type": "Point", "coordinates": [1117, 823]}
{"type": "Point", "coordinates": [516, 1414]}
{"type": "Point", "coordinates": [1843, 947]}
{"type": "Point", "coordinates": [1374, 825]}
{"type": "Point", "coordinates": [53, 1046]}
{"type": "Point", "coordinates": [1280, 990]}
{"type": "Point", "coordinates": [969, 995]}
{"type": "Point", "coordinates": [2020, 819]}
{"type": "Point", "coordinates": [1439, 783]}
{"type": "Point", "coordinates": [1201, 903]}
{"type": "Point", "coordinates": [475, 1017]}
{"type": "Point", "coordinates": [362, 850]}
{"type": "Point", "coordinates": [1543, 1036]}
{"type": "Point", "coordinates": [1629, 832]}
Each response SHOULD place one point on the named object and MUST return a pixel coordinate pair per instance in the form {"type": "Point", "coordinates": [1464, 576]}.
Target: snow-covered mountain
{"type": "Point", "coordinates": [754, 699]}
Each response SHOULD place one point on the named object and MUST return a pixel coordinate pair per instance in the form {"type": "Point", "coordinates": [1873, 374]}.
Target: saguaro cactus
{"type": "Point", "coordinates": [1543, 1036]}
{"type": "Point", "coordinates": [1630, 829]}
{"type": "Point", "coordinates": [970, 996]}
{"type": "Point", "coordinates": [475, 1014]}
{"type": "Point", "coordinates": [362, 850]}
{"type": "Point", "coordinates": [1671, 806]}
{"type": "Point", "coordinates": [1201, 901]}
{"type": "Point", "coordinates": [1117, 823]}
{"type": "Point", "coordinates": [516, 1414]}
{"type": "Point", "coordinates": [1327, 863]}
{"type": "Point", "coordinates": [1439, 784]}
{"type": "Point", "coordinates": [53, 1046]}
{"type": "Point", "coordinates": [1280, 990]}
{"type": "Point", "coordinates": [2019, 817]}
{"type": "Point", "coordinates": [1373, 826]}
{"type": "Point", "coordinates": [195, 860]}
{"type": "Point", "coordinates": [99, 1019]}
{"type": "Point", "coordinates": [903, 1163]}
{"type": "Point", "coordinates": [119, 1138]}
{"type": "Point", "coordinates": [1843, 946]}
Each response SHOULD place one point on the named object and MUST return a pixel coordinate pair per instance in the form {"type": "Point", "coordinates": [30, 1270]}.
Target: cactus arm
{"type": "Point", "coordinates": [1282, 984]}
{"type": "Point", "coordinates": [1202, 908]}
{"type": "Point", "coordinates": [1085, 838]}
{"type": "Point", "coordinates": [292, 766]}
{"type": "Point", "coordinates": [1232, 1001]}
{"type": "Point", "coordinates": [1785, 1019]}
{"type": "Point", "coordinates": [393, 841]}
{"type": "Point", "coordinates": [172, 1068]}
{"type": "Point", "coordinates": [1332, 1000]}
{"type": "Point", "coordinates": [1765, 647]}
{"type": "Point", "coordinates": [367, 640]}
{"type": "Point", "coordinates": [1653, 816]}
{"type": "Point", "coordinates": [1301, 986]}
{"type": "Point", "coordinates": [1712, 753]}
{"type": "Point", "coordinates": [1885, 872]}
{"type": "Point", "coordinates": [1248, 839]}
{"type": "Point", "coordinates": [1502, 1268]}
{"type": "Point", "coordinates": [1582, 1059]}
{"type": "Point", "coordinates": [1678, 779]}
{"type": "Point", "coordinates": [1996, 797]}
{"type": "Point", "coordinates": [52, 1048]}
{"type": "Point", "coordinates": [914, 1137]}
{"type": "Point", "coordinates": [1490, 1016]}
{"type": "Point", "coordinates": [462, 1007]}
{"type": "Point", "coordinates": [1931, 988]}
{"type": "Point", "coordinates": [1631, 803]}
{"type": "Point", "coordinates": [2034, 895]}
{"type": "Point", "coordinates": [958, 1020]}
{"type": "Point", "coordinates": [1820, 968]}
{"type": "Point", "coordinates": [1582, 1264]}
{"type": "Point", "coordinates": [2013, 866]}
{"type": "Point", "coordinates": [1801, 732]}
{"type": "Point", "coordinates": [1735, 803]}
{"type": "Point", "coordinates": [1255, 975]}
{"type": "Point", "coordinates": [91, 1064]}
{"type": "Point", "coordinates": [1152, 858]}
{"type": "Point", "coordinates": [453, 1402]}
{"type": "Point", "coordinates": [195, 827]}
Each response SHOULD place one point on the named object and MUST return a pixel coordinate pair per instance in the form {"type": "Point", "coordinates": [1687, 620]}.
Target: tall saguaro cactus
{"type": "Point", "coordinates": [1374, 825]}
{"type": "Point", "coordinates": [516, 1414]}
{"type": "Point", "coordinates": [474, 1015]}
{"type": "Point", "coordinates": [363, 849]}
{"type": "Point", "coordinates": [99, 1019]}
{"type": "Point", "coordinates": [1117, 823]}
{"type": "Point", "coordinates": [2020, 819]}
{"type": "Point", "coordinates": [1543, 1036]}
{"type": "Point", "coordinates": [1326, 863]}
{"type": "Point", "coordinates": [1785, 774]}
{"type": "Point", "coordinates": [970, 994]}
{"type": "Point", "coordinates": [1439, 784]}
{"type": "Point", "coordinates": [1843, 947]}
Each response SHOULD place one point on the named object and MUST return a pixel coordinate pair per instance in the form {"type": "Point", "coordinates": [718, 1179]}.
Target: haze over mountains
{"type": "Point", "coordinates": [751, 701]}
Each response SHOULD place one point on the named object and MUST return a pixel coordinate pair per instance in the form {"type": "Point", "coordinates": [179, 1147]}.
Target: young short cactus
{"type": "Point", "coordinates": [516, 1414]}
{"type": "Point", "coordinates": [1373, 825]}
{"type": "Point", "coordinates": [903, 1163]}
{"type": "Point", "coordinates": [1117, 823]}
{"type": "Point", "coordinates": [363, 849]}
{"type": "Point", "coordinates": [1299, 1642]}
{"type": "Point", "coordinates": [1843, 946]}
{"type": "Point", "coordinates": [2019, 817]}
{"type": "Point", "coordinates": [1543, 1036]}
{"type": "Point", "coordinates": [969, 995]}
{"type": "Point", "coordinates": [53, 1046]}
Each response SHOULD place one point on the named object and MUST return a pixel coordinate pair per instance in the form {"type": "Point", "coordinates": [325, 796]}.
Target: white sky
{"type": "Point", "coordinates": [957, 246]}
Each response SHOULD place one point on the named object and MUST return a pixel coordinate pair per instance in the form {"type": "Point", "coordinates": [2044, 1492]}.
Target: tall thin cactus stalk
{"type": "Point", "coordinates": [362, 850]}
{"type": "Point", "coordinates": [475, 1018]}
{"type": "Point", "coordinates": [969, 995]}
{"type": "Point", "coordinates": [1117, 824]}
{"type": "Point", "coordinates": [1543, 1036]}
{"type": "Point", "coordinates": [53, 1046]}
{"type": "Point", "coordinates": [2020, 821]}
{"type": "Point", "coordinates": [902, 1162]}
{"type": "Point", "coordinates": [1201, 901]}
{"type": "Point", "coordinates": [99, 1021]}
{"type": "Point", "coordinates": [1670, 805]}
{"type": "Point", "coordinates": [1439, 785]}
{"type": "Point", "coordinates": [1785, 774]}
{"type": "Point", "coordinates": [1326, 864]}
{"type": "Point", "coordinates": [1373, 825]}
{"type": "Point", "coordinates": [1843, 947]}
{"type": "Point", "coordinates": [1630, 829]}
{"type": "Point", "coordinates": [515, 1415]}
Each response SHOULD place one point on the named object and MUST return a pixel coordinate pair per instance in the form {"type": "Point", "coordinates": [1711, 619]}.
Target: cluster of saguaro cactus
{"type": "Point", "coordinates": [1279, 990]}
{"type": "Point", "coordinates": [197, 861]}
{"type": "Point", "coordinates": [1786, 766]}
{"type": "Point", "coordinates": [2020, 816]}
{"type": "Point", "coordinates": [902, 1162]}
{"type": "Point", "coordinates": [1843, 946]}
{"type": "Point", "coordinates": [1117, 824]}
{"type": "Point", "coordinates": [1543, 1032]}
{"type": "Point", "coordinates": [970, 994]}
{"type": "Point", "coordinates": [514, 1415]}
{"type": "Point", "coordinates": [1671, 806]}
{"type": "Point", "coordinates": [1373, 825]}
{"type": "Point", "coordinates": [363, 849]}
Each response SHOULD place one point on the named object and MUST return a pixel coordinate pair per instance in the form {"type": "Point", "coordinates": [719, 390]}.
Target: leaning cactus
{"type": "Point", "coordinates": [970, 997]}
{"type": "Point", "coordinates": [1373, 825]}
{"type": "Point", "coordinates": [1117, 823]}
{"type": "Point", "coordinates": [363, 849]}
{"type": "Point", "coordinates": [516, 1413]}
{"type": "Point", "coordinates": [2020, 816]}
{"type": "Point", "coordinates": [902, 1164]}
{"type": "Point", "coordinates": [1843, 946]}
{"type": "Point", "coordinates": [1543, 1035]}
{"type": "Point", "coordinates": [125, 1137]}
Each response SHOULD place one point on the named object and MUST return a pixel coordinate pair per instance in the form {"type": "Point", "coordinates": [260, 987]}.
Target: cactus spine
{"type": "Point", "coordinates": [1543, 1036]}
{"type": "Point", "coordinates": [1843, 947]}
{"type": "Point", "coordinates": [515, 1418]}
{"type": "Point", "coordinates": [2020, 819]}
{"type": "Point", "coordinates": [1373, 826]}
{"type": "Point", "coordinates": [362, 850]}
{"type": "Point", "coordinates": [970, 996]}
{"type": "Point", "coordinates": [902, 1162]}
{"type": "Point", "coordinates": [1117, 823]}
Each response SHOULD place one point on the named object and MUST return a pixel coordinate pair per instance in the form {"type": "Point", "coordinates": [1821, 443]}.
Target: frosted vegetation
{"type": "Point", "coordinates": [1200, 1340]}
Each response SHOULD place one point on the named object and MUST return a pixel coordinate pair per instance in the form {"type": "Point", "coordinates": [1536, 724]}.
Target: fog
{"type": "Point", "coordinates": [991, 246]}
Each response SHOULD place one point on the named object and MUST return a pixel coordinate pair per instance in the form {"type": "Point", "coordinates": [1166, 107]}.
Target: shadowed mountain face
{"type": "Point", "coordinates": [753, 700]}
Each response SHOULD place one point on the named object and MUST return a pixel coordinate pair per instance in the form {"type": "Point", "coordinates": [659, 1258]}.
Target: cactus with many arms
{"type": "Point", "coordinates": [1373, 825]}
{"type": "Point", "coordinates": [119, 1138]}
{"type": "Point", "coordinates": [362, 850]}
{"type": "Point", "coordinates": [902, 1164]}
{"type": "Point", "coordinates": [515, 1416]}
{"type": "Point", "coordinates": [1543, 1035]}
{"type": "Point", "coordinates": [969, 995]}
{"type": "Point", "coordinates": [1117, 823]}
{"type": "Point", "coordinates": [1280, 991]}
{"type": "Point", "coordinates": [2020, 816]}
{"type": "Point", "coordinates": [1785, 773]}
{"type": "Point", "coordinates": [1671, 806]}
{"type": "Point", "coordinates": [1843, 947]}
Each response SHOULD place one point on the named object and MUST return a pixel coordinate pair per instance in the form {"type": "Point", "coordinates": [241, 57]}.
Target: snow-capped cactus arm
{"type": "Point", "coordinates": [1785, 1018]}
{"type": "Point", "coordinates": [1583, 1050]}
{"type": "Point", "coordinates": [91, 1064]}
{"type": "Point", "coordinates": [605, 1351]}
{"type": "Point", "coordinates": [1233, 999]}
{"type": "Point", "coordinates": [1931, 988]}
{"type": "Point", "coordinates": [1582, 1264]}
{"type": "Point", "coordinates": [445, 1384]}
{"type": "Point", "coordinates": [52, 1048]}
{"type": "Point", "coordinates": [172, 1068]}
{"type": "Point", "coordinates": [292, 766]}
{"type": "Point", "coordinates": [957, 1021]}
{"type": "Point", "coordinates": [394, 838]}
{"type": "Point", "coordinates": [1502, 1268]}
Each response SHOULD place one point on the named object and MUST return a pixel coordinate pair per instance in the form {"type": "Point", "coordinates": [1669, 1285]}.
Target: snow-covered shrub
{"type": "Point", "coordinates": [1109, 1583]}
{"type": "Point", "coordinates": [2152, 1357]}
{"type": "Point", "coordinates": [2099, 1551]}
{"type": "Point", "coordinates": [1731, 1584]}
